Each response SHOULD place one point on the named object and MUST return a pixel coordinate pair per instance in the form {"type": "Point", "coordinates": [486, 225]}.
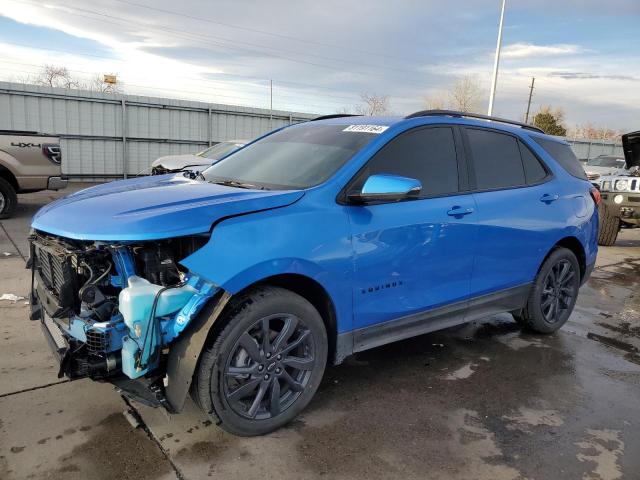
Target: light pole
{"type": "Point", "coordinates": [496, 61]}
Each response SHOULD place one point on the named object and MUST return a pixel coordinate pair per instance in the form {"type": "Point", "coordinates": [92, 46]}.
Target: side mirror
{"type": "Point", "coordinates": [383, 187]}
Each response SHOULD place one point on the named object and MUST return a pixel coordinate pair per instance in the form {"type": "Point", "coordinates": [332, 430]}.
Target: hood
{"type": "Point", "coordinates": [151, 208]}
{"type": "Point", "coordinates": [631, 147]}
{"type": "Point", "coordinates": [593, 169]}
{"type": "Point", "coordinates": [178, 162]}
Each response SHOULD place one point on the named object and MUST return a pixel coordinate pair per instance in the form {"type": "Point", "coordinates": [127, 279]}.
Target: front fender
{"type": "Point", "coordinates": [293, 240]}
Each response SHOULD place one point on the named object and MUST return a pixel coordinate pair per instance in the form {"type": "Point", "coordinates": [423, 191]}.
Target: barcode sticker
{"type": "Point", "coordinates": [366, 128]}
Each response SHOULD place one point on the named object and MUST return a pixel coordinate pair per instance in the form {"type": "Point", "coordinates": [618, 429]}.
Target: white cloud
{"type": "Point", "coordinates": [527, 50]}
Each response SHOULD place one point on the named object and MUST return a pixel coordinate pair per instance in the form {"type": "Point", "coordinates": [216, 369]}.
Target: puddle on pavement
{"type": "Point", "coordinates": [114, 450]}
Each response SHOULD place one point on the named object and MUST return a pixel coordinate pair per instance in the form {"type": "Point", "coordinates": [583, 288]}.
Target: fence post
{"type": "Point", "coordinates": [210, 124]}
{"type": "Point", "coordinates": [589, 150]}
{"type": "Point", "coordinates": [125, 163]}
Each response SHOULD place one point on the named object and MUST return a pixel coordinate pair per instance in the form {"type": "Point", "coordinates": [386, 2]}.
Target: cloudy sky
{"type": "Point", "coordinates": [585, 54]}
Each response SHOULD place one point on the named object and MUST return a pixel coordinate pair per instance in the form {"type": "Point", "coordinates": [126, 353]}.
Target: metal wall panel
{"type": "Point", "coordinates": [591, 149]}
{"type": "Point", "coordinates": [90, 126]}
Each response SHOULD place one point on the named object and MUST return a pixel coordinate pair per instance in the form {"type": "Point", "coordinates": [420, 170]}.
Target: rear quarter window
{"type": "Point", "coordinates": [563, 154]}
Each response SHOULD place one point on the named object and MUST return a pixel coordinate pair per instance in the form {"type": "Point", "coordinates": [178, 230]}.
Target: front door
{"type": "Point", "coordinates": [414, 255]}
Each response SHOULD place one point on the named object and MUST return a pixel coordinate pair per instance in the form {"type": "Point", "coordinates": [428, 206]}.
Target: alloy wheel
{"type": "Point", "coordinates": [3, 202]}
{"type": "Point", "coordinates": [269, 367]}
{"type": "Point", "coordinates": [558, 291]}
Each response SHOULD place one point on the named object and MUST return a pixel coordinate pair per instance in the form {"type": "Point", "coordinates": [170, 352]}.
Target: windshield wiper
{"type": "Point", "coordinates": [237, 183]}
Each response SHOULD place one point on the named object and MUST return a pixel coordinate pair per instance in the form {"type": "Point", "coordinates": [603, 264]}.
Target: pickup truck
{"type": "Point", "coordinates": [29, 162]}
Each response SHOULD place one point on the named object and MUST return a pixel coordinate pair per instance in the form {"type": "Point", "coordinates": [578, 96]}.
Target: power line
{"type": "Point", "coordinates": [182, 90]}
{"type": "Point", "coordinates": [249, 47]}
{"type": "Point", "coordinates": [265, 80]}
{"type": "Point", "coordinates": [233, 46]}
{"type": "Point", "coordinates": [264, 32]}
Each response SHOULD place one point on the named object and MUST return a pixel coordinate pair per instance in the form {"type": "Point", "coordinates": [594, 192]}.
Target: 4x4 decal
{"type": "Point", "coordinates": [25, 145]}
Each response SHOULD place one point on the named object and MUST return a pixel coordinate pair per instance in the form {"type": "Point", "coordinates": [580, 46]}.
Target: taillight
{"type": "Point", "coordinates": [595, 194]}
{"type": "Point", "coordinates": [52, 152]}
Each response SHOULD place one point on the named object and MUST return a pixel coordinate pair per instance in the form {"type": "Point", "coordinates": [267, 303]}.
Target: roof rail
{"type": "Point", "coordinates": [453, 113]}
{"type": "Point", "coordinates": [334, 115]}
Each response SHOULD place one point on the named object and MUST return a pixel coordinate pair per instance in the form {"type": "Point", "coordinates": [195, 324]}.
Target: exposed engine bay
{"type": "Point", "coordinates": [116, 305]}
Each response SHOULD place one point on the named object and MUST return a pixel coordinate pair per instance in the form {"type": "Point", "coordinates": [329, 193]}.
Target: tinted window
{"type": "Point", "coordinates": [427, 154]}
{"type": "Point", "coordinates": [606, 162]}
{"type": "Point", "coordinates": [296, 157]}
{"type": "Point", "coordinates": [533, 170]}
{"type": "Point", "coordinates": [496, 159]}
{"type": "Point", "coordinates": [220, 150]}
{"type": "Point", "coordinates": [562, 154]}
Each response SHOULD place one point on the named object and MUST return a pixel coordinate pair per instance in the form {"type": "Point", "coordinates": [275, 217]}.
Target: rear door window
{"type": "Point", "coordinates": [562, 153]}
{"type": "Point", "coordinates": [496, 159]}
{"type": "Point", "coordinates": [534, 172]}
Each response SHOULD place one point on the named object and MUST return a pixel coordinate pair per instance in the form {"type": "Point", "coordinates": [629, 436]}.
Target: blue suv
{"type": "Point", "coordinates": [314, 242]}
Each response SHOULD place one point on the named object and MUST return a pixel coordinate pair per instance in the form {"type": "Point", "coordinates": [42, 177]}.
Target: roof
{"type": "Point", "coordinates": [389, 121]}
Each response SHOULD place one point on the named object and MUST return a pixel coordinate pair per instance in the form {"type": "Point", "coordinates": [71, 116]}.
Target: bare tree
{"type": "Point", "coordinates": [373, 104]}
{"type": "Point", "coordinates": [465, 94]}
{"type": "Point", "coordinates": [56, 76]}
{"type": "Point", "coordinates": [594, 132]}
{"type": "Point", "coordinates": [26, 78]}
{"type": "Point", "coordinates": [435, 102]}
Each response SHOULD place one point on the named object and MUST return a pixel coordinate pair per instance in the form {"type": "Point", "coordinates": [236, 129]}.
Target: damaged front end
{"type": "Point", "coordinates": [110, 310]}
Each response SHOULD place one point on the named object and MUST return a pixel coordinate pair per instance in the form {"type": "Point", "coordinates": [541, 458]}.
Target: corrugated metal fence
{"type": "Point", "coordinates": [105, 135]}
{"type": "Point", "coordinates": [593, 148]}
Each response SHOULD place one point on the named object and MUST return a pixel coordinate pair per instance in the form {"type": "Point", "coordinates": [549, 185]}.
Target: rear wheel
{"type": "Point", "coordinates": [554, 293]}
{"type": "Point", "coordinates": [8, 199]}
{"type": "Point", "coordinates": [609, 226]}
{"type": "Point", "coordinates": [266, 363]}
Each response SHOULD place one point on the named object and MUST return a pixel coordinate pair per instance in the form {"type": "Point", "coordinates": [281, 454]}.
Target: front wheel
{"type": "Point", "coordinates": [554, 293]}
{"type": "Point", "coordinates": [609, 226]}
{"type": "Point", "coordinates": [8, 199]}
{"type": "Point", "coordinates": [265, 364]}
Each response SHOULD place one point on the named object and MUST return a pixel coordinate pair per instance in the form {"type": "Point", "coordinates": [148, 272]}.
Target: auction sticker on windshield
{"type": "Point", "coordinates": [366, 128]}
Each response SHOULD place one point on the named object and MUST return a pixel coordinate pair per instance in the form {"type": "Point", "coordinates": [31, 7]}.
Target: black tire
{"type": "Point", "coordinates": [609, 225]}
{"type": "Point", "coordinates": [8, 199]}
{"type": "Point", "coordinates": [226, 366]}
{"type": "Point", "coordinates": [550, 303]}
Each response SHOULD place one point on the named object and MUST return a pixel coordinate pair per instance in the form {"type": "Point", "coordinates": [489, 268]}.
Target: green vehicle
{"type": "Point", "coordinates": [620, 207]}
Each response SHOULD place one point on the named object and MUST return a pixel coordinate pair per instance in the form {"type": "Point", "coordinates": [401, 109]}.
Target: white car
{"type": "Point", "coordinates": [603, 165]}
{"type": "Point", "coordinates": [195, 161]}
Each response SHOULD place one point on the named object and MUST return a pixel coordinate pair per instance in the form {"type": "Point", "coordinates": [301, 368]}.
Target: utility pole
{"type": "Point", "coordinates": [526, 117]}
{"type": "Point", "coordinates": [496, 61]}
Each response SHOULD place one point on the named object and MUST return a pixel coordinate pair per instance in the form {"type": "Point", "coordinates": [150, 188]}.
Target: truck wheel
{"type": "Point", "coordinates": [8, 199]}
{"type": "Point", "coordinates": [609, 226]}
{"type": "Point", "coordinates": [264, 365]}
{"type": "Point", "coordinates": [553, 295]}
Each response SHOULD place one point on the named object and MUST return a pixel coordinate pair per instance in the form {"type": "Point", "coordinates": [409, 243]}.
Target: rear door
{"type": "Point", "coordinates": [414, 255]}
{"type": "Point", "coordinates": [517, 200]}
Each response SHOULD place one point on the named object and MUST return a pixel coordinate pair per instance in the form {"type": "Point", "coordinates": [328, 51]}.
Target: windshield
{"type": "Point", "coordinates": [296, 157]}
{"type": "Point", "coordinates": [606, 162]}
{"type": "Point", "coordinates": [220, 150]}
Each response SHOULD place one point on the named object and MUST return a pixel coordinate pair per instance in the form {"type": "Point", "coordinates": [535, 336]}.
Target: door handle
{"type": "Point", "coordinates": [459, 211]}
{"type": "Point", "coordinates": [548, 198]}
